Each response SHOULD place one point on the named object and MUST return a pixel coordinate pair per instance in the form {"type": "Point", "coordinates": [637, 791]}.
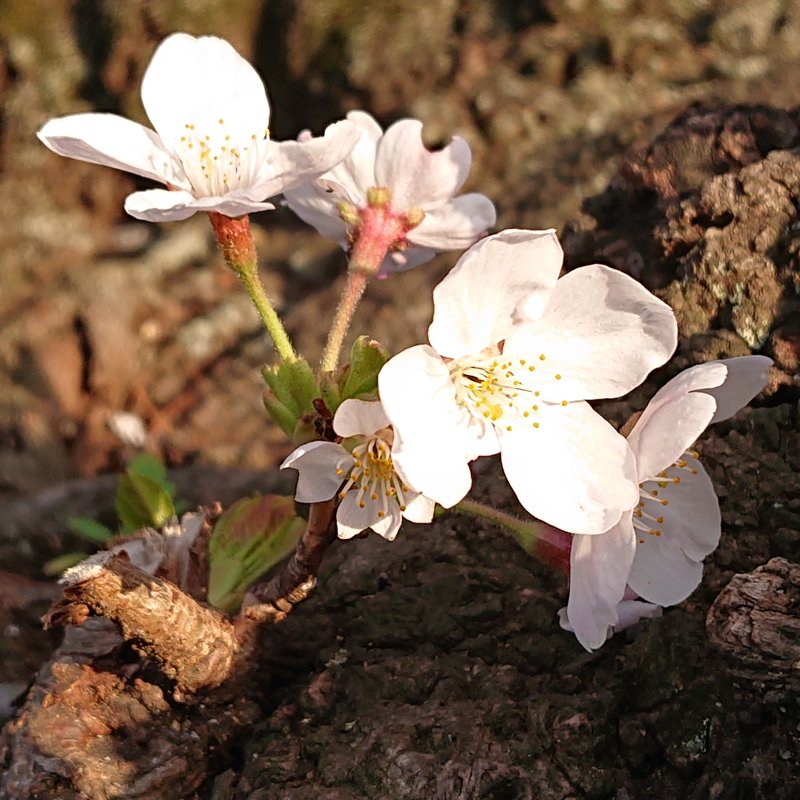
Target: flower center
{"type": "Point", "coordinates": [654, 496]}
{"type": "Point", "coordinates": [373, 476]}
{"type": "Point", "coordinates": [503, 391]}
{"type": "Point", "coordinates": [215, 163]}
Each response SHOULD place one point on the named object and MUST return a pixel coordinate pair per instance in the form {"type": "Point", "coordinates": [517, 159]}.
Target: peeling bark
{"type": "Point", "coordinates": [192, 644]}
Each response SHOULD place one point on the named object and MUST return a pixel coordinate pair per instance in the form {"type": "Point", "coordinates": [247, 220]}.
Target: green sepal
{"type": "Point", "coordinates": [278, 411]}
{"type": "Point", "coordinates": [293, 384]}
{"type": "Point", "coordinates": [367, 356]}
{"type": "Point", "coordinates": [252, 536]}
{"type": "Point", "coordinates": [329, 391]}
{"type": "Point", "coordinates": [144, 495]}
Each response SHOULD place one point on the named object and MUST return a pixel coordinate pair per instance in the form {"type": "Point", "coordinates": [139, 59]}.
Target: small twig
{"type": "Point", "coordinates": [293, 584]}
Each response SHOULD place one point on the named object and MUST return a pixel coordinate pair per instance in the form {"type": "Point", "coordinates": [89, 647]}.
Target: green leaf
{"type": "Point", "coordinates": [142, 502]}
{"type": "Point", "coordinates": [248, 539]}
{"type": "Point", "coordinates": [366, 359]}
{"type": "Point", "coordinates": [150, 467]}
{"type": "Point", "coordinates": [90, 529]}
{"type": "Point", "coordinates": [55, 566]}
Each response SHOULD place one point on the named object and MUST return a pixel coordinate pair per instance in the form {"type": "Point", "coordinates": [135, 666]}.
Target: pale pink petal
{"type": "Point", "coordinates": [455, 225]}
{"type": "Point", "coordinates": [599, 567]}
{"type": "Point", "coordinates": [698, 378]}
{"type": "Point", "coordinates": [416, 177]}
{"type": "Point", "coordinates": [660, 438]}
{"type": "Point", "coordinates": [420, 509]}
{"type": "Point", "coordinates": [601, 331]}
{"type": "Point", "coordinates": [661, 572]}
{"type": "Point", "coordinates": [429, 449]}
{"type": "Point", "coordinates": [317, 464]}
{"type": "Point", "coordinates": [403, 260]}
{"type": "Point", "coordinates": [354, 417]}
{"type": "Point", "coordinates": [574, 471]}
{"type": "Point", "coordinates": [691, 518]}
{"type": "Point", "coordinates": [161, 205]}
{"type": "Point", "coordinates": [113, 141]}
{"type": "Point", "coordinates": [356, 173]}
{"type": "Point", "coordinates": [198, 82]}
{"type": "Point", "coordinates": [746, 377]}
{"type": "Point", "coordinates": [629, 612]}
{"type": "Point", "coordinates": [291, 164]}
{"type": "Point", "coordinates": [475, 303]}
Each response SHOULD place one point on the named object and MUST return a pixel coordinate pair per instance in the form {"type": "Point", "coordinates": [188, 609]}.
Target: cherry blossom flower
{"type": "Point", "coordinates": [394, 171]}
{"type": "Point", "coordinates": [372, 492]}
{"type": "Point", "coordinates": [210, 145]}
{"type": "Point", "coordinates": [657, 548]}
{"type": "Point", "coordinates": [514, 354]}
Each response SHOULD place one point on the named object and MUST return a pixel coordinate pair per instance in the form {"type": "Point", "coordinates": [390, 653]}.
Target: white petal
{"type": "Point", "coordinates": [351, 519]}
{"type": "Point", "coordinates": [318, 208]}
{"type": "Point", "coordinates": [631, 612]}
{"type": "Point", "coordinates": [355, 417]}
{"type": "Point", "coordinates": [161, 205]}
{"type": "Point", "coordinates": [475, 303]}
{"type": "Point", "coordinates": [389, 525]}
{"type": "Point", "coordinates": [420, 509]}
{"type": "Point", "coordinates": [113, 141]}
{"type": "Point", "coordinates": [601, 331]}
{"type": "Point", "coordinates": [455, 225]}
{"type": "Point", "coordinates": [660, 437]}
{"type": "Point", "coordinates": [661, 572]}
{"type": "Point", "coordinates": [355, 174]}
{"type": "Point", "coordinates": [287, 165]}
{"type": "Point", "coordinates": [430, 429]}
{"type": "Point", "coordinates": [317, 464]}
{"type": "Point", "coordinates": [416, 177]}
{"type": "Point", "coordinates": [574, 471]}
{"type": "Point", "coordinates": [200, 81]}
{"type": "Point", "coordinates": [598, 574]}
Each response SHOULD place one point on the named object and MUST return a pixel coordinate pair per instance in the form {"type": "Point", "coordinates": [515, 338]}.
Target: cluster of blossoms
{"type": "Point", "coordinates": [514, 355]}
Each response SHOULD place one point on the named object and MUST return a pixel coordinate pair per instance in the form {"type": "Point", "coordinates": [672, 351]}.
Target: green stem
{"type": "Point", "coordinates": [236, 243]}
{"type": "Point", "coordinates": [348, 302]}
{"type": "Point", "coordinates": [252, 282]}
{"type": "Point", "coordinates": [544, 542]}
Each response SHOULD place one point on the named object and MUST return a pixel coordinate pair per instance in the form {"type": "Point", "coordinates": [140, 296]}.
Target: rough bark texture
{"type": "Point", "coordinates": [706, 217]}
{"type": "Point", "coordinates": [755, 622]}
{"type": "Point", "coordinates": [94, 725]}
